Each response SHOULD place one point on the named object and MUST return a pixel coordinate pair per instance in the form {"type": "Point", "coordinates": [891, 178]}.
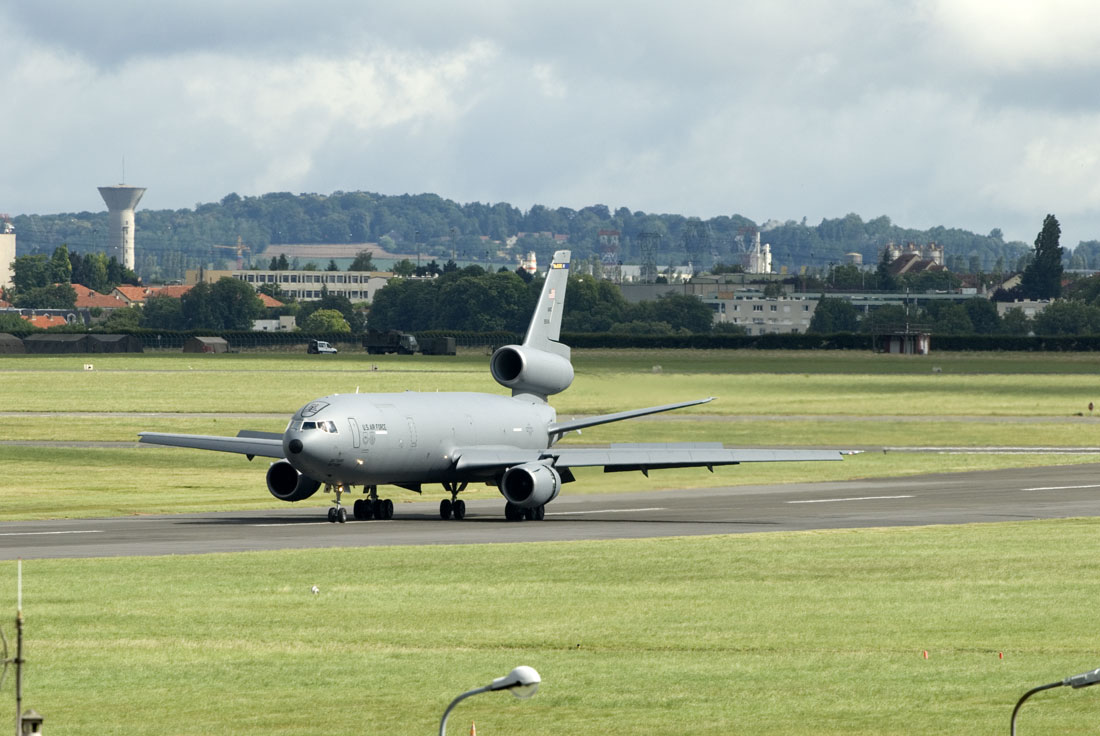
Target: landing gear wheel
{"type": "Point", "coordinates": [342, 515]}
{"type": "Point", "coordinates": [332, 515]}
{"type": "Point", "coordinates": [459, 510]}
{"type": "Point", "coordinates": [361, 509]}
{"type": "Point", "coordinates": [539, 513]}
{"type": "Point", "coordinates": [445, 509]}
{"type": "Point", "coordinates": [388, 507]}
{"type": "Point", "coordinates": [513, 512]}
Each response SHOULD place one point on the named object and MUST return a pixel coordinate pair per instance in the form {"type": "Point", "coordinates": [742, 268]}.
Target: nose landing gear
{"type": "Point", "coordinates": [337, 514]}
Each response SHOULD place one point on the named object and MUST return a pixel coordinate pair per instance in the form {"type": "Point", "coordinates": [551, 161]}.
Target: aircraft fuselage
{"type": "Point", "coordinates": [376, 439]}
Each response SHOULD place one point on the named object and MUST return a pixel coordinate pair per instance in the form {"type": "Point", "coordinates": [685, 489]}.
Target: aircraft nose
{"type": "Point", "coordinates": [295, 446]}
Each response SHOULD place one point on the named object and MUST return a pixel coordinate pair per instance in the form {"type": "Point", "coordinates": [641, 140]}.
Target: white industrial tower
{"type": "Point", "coordinates": [121, 201]}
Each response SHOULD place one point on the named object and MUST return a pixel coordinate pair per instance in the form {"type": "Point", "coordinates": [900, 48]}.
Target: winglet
{"type": "Point", "coordinates": [545, 328]}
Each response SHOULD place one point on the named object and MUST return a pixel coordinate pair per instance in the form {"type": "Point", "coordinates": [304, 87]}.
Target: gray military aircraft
{"type": "Point", "coordinates": [409, 439]}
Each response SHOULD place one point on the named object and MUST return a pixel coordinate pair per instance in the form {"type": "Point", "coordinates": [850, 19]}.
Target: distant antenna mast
{"type": "Point", "coordinates": [123, 181]}
{"type": "Point", "coordinates": [18, 659]}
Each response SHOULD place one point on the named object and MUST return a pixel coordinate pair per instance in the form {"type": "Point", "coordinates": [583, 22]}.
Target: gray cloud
{"type": "Point", "coordinates": [965, 113]}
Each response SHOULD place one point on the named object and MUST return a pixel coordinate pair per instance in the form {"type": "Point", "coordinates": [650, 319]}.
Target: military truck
{"type": "Point", "coordinates": [378, 342]}
{"type": "Point", "coordinates": [438, 346]}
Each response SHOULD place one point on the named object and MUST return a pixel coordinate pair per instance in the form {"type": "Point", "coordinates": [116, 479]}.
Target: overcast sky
{"type": "Point", "coordinates": [970, 113]}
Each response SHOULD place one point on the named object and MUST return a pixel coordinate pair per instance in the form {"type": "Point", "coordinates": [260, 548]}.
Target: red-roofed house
{"type": "Point", "coordinates": [175, 291]}
{"type": "Point", "coordinates": [88, 298]}
{"type": "Point", "coordinates": [269, 301]}
{"type": "Point", "coordinates": [131, 295]}
{"type": "Point", "coordinates": [45, 321]}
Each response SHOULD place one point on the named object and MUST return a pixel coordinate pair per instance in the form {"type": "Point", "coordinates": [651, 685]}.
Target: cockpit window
{"type": "Point", "coordinates": [329, 427]}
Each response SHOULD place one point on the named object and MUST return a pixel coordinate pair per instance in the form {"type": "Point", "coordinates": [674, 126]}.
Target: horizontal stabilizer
{"type": "Point", "coordinates": [261, 446]}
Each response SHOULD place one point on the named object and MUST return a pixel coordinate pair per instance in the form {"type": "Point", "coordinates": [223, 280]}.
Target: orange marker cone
{"type": "Point", "coordinates": [473, 729]}
{"type": "Point", "coordinates": [1000, 655]}
{"type": "Point", "coordinates": [926, 654]}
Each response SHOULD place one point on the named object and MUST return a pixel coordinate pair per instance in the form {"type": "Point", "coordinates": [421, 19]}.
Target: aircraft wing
{"type": "Point", "coordinates": [264, 444]}
{"type": "Point", "coordinates": [643, 457]}
{"type": "Point", "coordinates": [560, 428]}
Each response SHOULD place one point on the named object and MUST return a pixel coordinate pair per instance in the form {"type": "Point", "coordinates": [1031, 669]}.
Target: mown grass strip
{"type": "Point", "coordinates": [788, 633]}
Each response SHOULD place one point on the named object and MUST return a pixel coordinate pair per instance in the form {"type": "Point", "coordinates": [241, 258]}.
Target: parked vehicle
{"type": "Point", "coordinates": [392, 341]}
{"type": "Point", "coordinates": [438, 346]}
{"type": "Point", "coordinates": [318, 347]}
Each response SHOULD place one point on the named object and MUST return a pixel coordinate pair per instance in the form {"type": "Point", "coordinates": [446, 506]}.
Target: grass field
{"type": "Point", "coordinates": [791, 633]}
{"type": "Point", "coordinates": [764, 399]}
{"type": "Point", "coordinates": [767, 634]}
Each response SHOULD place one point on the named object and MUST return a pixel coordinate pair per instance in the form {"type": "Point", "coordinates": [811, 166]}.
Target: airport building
{"type": "Point", "coordinates": [761, 315]}
{"type": "Point", "coordinates": [356, 286]}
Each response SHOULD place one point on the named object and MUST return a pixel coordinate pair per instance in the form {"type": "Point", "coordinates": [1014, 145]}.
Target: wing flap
{"type": "Point", "coordinates": [641, 457]}
{"type": "Point", "coordinates": [261, 446]}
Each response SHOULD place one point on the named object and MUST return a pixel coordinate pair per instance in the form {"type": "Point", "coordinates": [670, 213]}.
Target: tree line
{"type": "Point", "coordinates": [472, 299]}
{"type": "Point", "coordinates": [171, 241]}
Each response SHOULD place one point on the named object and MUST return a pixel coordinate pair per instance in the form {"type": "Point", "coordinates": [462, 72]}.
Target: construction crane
{"type": "Point", "coordinates": [241, 248]}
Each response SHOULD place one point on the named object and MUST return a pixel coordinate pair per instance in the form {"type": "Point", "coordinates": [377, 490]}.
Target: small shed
{"type": "Point", "coordinates": [10, 344]}
{"type": "Point", "coordinates": [52, 344]}
{"type": "Point", "coordinates": [114, 344]}
{"type": "Point", "coordinates": [206, 345]}
{"type": "Point", "coordinates": [907, 342]}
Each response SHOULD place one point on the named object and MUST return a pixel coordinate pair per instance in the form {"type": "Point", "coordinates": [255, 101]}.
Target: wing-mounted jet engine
{"type": "Point", "coordinates": [287, 484]}
{"type": "Point", "coordinates": [528, 488]}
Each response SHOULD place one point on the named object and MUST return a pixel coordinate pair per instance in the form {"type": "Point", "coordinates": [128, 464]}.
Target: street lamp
{"type": "Point", "coordinates": [1082, 680]}
{"type": "Point", "coordinates": [523, 681]}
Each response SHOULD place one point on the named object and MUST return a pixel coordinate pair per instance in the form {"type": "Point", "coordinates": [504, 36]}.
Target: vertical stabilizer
{"type": "Point", "coordinates": [545, 327]}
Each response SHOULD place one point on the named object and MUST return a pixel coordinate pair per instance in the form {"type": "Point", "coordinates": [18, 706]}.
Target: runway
{"type": "Point", "coordinates": [955, 498]}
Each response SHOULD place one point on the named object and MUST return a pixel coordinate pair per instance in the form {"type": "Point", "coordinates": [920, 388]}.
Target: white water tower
{"type": "Point", "coordinates": [121, 201]}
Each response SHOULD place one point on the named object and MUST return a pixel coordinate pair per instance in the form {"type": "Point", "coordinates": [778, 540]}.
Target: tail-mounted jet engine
{"type": "Point", "coordinates": [530, 485]}
{"type": "Point", "coordinates": [287, 484]}
{"type": "Point", "coordinates": [527, 370]}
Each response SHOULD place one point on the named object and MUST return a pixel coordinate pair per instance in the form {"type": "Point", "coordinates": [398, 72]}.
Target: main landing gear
{"type": "Point", "coordinates": [516, 513]}
{"type": "Point", "coordinates": [453, 506]}
{"type": "Point", "coordinates": [363, 509]}
{"type": "Point", "coordinates": [373, 507]}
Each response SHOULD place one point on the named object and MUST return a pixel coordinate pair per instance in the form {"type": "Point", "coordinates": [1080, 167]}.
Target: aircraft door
{"type": "Point", "coordinates": [354, 432]}
{"type": "Point", "coordinates": [412, 432]}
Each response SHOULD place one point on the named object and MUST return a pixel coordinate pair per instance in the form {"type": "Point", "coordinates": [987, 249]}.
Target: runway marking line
{"type": "Point", "coordinates": [602, 511]}
{"type": "Point", "coordinates": [37, 534]}
{"type": "Point", "coordinates": [1061, 488]}
{"type": "Point", "coordinates": [304, 523]}
{"type": "Point", "coordinates": [840, 500]}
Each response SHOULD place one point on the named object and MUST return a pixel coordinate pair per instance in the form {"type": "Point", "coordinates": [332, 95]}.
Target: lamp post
{"type": "Point", "coordinates": [1082, 680]}
{"type": "Point", "coordinates": [523, 681]}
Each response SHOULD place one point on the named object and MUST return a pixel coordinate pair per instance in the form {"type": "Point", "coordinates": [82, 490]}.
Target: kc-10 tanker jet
{"type": "Point", "coordinates": [409, 439]}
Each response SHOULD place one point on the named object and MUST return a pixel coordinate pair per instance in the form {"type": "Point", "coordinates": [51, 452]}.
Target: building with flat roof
{"type": "Point", "coordinates": [356, 286]}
